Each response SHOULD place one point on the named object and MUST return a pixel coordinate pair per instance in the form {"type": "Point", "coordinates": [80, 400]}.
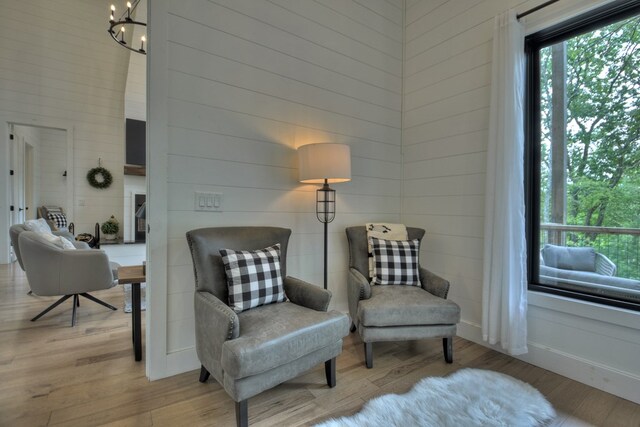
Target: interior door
{"type": "Point", "coordinates": [17, 171]}
{"type": "Point", "coordinates": [29, 181]}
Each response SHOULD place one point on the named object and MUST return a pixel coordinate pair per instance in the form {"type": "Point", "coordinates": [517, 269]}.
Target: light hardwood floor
{"type": "Point", "coordinates": [52, 374]}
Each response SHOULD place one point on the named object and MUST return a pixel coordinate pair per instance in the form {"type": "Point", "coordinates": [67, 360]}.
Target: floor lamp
{"type": "Point", "coordinates": [325, 163]}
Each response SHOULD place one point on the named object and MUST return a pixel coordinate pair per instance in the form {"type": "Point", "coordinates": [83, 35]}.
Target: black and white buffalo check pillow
{"type": "Point", "coordinates": [59, 219]}
{"type": "Point", "coordinates": [395, 262]}
{"type": "Point", "coordinates": [254, 278]}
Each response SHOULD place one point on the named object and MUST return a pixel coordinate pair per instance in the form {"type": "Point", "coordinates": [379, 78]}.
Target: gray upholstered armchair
{"type": "Point", "coordinates": [53, 271]}
{"type": "Point", "coordinates": [397, 312]}
{"type": "Point", "coordinates": [257, 349]}
{"type": "Point", "coordinates": [16, 229]}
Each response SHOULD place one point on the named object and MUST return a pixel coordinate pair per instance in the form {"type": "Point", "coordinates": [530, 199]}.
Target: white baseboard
{"type": "Point", "coordinates": [182, 361]}
{"type": "Point", "coordinates": [594, 374]}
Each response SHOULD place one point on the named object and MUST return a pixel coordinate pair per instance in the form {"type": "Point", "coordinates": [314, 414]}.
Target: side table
{"type": "Point", "coordinates": [135, 275]}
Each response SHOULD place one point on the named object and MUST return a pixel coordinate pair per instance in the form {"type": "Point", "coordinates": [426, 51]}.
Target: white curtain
{"type": "Point", "coordinates": [504, 308]}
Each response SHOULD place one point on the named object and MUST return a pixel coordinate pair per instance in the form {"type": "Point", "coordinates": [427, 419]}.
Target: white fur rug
{"type": "Point", "coordinates": [470, 397]}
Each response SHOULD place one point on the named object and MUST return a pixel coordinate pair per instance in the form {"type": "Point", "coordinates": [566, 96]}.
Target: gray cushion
{"type": "Point", "coordinates": [398, 305]}
{"type": "Point", "coordinates": [293, 331]}
{"type": "Point", "coordinates": [583, 281]}
{"type": "Point", "coordinates": [566, 258]}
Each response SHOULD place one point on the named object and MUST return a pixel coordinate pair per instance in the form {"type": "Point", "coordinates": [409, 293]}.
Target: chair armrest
{"type": "Point", "coordinates": [604, 265]}
{"type": "Point", "coordinates": [306, 294]}
{"type": "Point", "coordinates": [360, 283]}
{"type": "Point", "coordinates": [216, 323]}
{"type": "Point", "coordinates": [80, 245]}
{"type": "Point", "coordinates": [358, 288]}
{"type": "Point", "coordinates": [433, 283]}
{"type": "Point", "coordinates": [85, 270]}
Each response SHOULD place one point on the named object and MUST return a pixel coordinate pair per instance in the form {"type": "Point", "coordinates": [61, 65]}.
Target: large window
{"type": "Point", "coordinates": [583, 156]}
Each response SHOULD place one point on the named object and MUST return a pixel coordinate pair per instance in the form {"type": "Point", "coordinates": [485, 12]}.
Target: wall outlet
{"type": "Point", "coordinates": [207, 202]}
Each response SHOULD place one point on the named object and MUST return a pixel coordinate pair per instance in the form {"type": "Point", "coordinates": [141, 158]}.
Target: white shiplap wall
{"type": "Point", "coordinates": [52, 163]}
{"type": "Point", "coordinates": [247, 83]}
{"type": "Point", "coordinates": [135, 95]}
{"type": "Point", "coordinates": [447, 77]}
{"type": "Point", "coordinates": [59, 66]}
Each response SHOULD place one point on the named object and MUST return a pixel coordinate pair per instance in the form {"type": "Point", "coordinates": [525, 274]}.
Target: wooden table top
{"type": "Point", "coordinates": [131, 274]}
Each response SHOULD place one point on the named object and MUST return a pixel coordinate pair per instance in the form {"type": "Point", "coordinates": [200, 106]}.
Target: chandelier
{"type": "Point", "coordinates": [125, 24]}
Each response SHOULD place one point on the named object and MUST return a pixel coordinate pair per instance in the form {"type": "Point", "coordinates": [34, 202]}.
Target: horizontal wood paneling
{"type": "Point", "coordinates": [57, 68]}
{"type": "Point", "coordinates": [248, 83]}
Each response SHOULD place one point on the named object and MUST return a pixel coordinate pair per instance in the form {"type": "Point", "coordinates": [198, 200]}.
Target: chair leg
{"type": "Point", "coordinates": [96, 300]}
{"type": "Point", "coordinates": [242, 413]}
{"type": "Point", "coordinates": [204, 374]}
{"type": "Point", "coordinates": [447, 345]}
{"type": "Point", "coordinates": [51, 307]}
{"type": "Point", "coordinates": [368, 354]}
{"type": "Point", "coordinates": [353, 327]}
{"type": "Point", "coordinates": [330, 372]}
{"type": "Point", "coordinates": [75, 309]}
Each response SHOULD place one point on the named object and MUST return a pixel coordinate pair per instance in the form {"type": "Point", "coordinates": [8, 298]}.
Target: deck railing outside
{"type": "Point", "coordinates": [620, 245]}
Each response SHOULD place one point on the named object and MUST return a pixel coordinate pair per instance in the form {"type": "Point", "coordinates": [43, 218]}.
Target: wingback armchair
{"type": "Point", "coordinates": [397, 312]}
{"type": "Point", "coordinates": [257, 349]}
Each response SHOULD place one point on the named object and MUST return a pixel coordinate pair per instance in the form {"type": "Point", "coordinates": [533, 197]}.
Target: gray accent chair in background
{"type": "Point", "coordinates": [397, 312]}
{"type": "Point", "coordinates": [16, 229]}
{"type": "Point", "coordinates": [52, 271]}
{"type": "Point", "coordinates": [257, 349]}
{"type": "Point", "coordinates": [43, 212]}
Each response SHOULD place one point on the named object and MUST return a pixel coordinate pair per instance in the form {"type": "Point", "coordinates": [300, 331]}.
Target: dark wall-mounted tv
{"type": "Point", "coordinates": [136, 146]}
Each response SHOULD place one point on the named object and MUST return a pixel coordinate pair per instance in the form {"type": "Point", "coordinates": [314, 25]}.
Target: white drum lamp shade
{"type": "Point", "coordinates": [327, 161]}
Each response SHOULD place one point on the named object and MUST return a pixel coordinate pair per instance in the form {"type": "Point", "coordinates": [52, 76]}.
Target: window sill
{"type": "Point", "coordinates": [586, 309]}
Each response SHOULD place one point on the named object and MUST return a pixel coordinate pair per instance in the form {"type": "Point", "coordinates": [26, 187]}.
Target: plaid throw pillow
{"type": "Point", "coordinates": [396, 262]}
{"type": "Point", "coordinates": [254, 278]}
{"type": "Point", "coordinates": [58, 219]}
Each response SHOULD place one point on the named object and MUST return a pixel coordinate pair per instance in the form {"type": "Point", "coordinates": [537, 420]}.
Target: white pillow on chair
{"type": "Point", "coordinates": [58, 241]}
{"type": "Point", "coordinates": [37, 225]}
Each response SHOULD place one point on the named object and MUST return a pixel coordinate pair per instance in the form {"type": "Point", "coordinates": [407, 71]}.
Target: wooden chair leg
{"type": "Point", "coordinates": [242, 413]}
{"type": "Point", "coordinates": [447, 345]}
{"type": "Point", "coordinates": [204, 374]}
{"type": "Point", "coordinates": [330, 372]}
{"type": "Point", "coordinates": [368, 354]}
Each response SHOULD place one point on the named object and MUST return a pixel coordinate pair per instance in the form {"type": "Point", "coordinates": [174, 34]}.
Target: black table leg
{"type": "Point", "coordinates": [136, 310]}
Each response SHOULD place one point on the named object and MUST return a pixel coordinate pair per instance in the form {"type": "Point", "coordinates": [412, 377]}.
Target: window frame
{"type": "Point", "coordinates": [584, 23]}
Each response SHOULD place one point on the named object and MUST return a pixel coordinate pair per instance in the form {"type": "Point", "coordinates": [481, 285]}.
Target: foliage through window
{"type": "Point", "coordinates": [584, 156]}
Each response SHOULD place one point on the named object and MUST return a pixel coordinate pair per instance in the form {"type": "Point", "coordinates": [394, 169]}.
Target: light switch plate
{"type": "Point", "coordinates": [207, 202]}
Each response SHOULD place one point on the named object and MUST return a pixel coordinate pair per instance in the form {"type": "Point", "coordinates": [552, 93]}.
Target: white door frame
{"type": "Point", "coordinates": [27, 120]}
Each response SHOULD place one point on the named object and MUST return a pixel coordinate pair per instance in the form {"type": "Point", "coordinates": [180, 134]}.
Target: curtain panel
{"type": "Point", "coordinates": [504, 308]}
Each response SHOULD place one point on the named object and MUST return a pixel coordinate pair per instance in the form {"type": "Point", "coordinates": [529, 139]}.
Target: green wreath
{"type": "Point", "coordinates": [106, 180]}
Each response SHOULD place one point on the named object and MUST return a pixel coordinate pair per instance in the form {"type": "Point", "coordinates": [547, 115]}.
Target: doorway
{"type": "Point", "coordinates": [38, 171]}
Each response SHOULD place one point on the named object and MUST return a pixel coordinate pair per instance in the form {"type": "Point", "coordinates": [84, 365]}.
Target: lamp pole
{"type": "Point", "coordinates": [325, 188]}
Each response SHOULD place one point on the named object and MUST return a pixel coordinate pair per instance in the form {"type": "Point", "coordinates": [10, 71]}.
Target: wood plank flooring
{"type": "Point", "coordinates": [52, 374]}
